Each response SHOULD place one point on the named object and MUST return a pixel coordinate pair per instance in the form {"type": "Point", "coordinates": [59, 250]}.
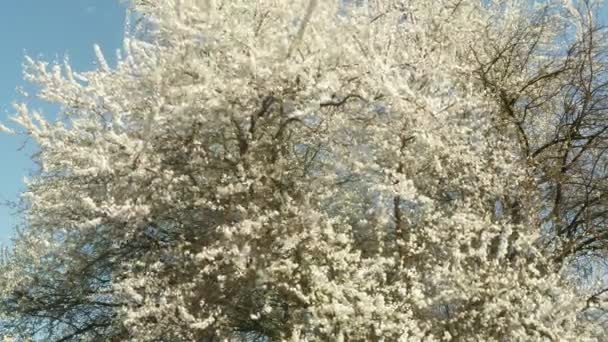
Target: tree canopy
{"type": "Point", "coordinates": [319, 171]}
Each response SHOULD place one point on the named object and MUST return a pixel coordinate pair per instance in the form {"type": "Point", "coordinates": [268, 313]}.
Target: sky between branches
{"type": "Point", "coordinates": [51, 30]}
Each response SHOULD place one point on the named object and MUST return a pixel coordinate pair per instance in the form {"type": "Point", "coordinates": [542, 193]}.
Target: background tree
{"type": "Point", "coordinates": [558, 108]}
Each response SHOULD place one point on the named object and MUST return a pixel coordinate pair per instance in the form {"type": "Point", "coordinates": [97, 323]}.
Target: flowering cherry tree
{"type": "Point", "coordinates": [286, 170]}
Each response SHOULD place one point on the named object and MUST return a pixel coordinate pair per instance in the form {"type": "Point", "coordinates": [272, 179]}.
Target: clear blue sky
{"type": "Point", "coordinates": [50, 29]}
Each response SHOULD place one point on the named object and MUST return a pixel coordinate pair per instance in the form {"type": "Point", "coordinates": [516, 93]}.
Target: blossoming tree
{"type": "Point", "coordinates": [286, 170]}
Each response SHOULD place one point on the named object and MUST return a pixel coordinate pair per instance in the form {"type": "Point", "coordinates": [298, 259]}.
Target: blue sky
{"type": "Point", "coordinates": [50, 29]}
